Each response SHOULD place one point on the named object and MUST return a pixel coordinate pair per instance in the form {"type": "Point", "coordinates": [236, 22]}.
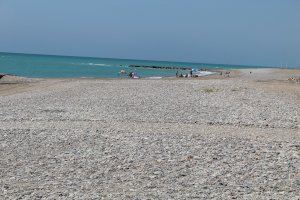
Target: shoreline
{"type": "Point", "coordinates": [208, 70]}
{"type": "Point", "coordinates": [217, 72]}
{"type": "Point", "coordinates": [13, 84]}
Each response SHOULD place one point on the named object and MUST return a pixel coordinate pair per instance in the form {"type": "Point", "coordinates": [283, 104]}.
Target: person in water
{"type": "Point", "coordinates": [122, 71]}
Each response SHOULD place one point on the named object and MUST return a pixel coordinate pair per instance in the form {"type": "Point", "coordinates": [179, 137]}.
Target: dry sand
{"type": "Point", "coordinates": [217, 138]}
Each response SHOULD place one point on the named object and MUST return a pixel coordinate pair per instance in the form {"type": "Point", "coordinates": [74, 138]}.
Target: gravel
{"type": "Point", "coordinates": [150, 139]}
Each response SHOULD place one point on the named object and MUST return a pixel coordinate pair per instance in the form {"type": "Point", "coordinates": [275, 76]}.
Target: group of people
{"type": "Point", "coordinates": [227, 74]}
{"type": "Point", "coordinates": [132, 75]}
{"type": "Point", "coordinates": [184, 75]}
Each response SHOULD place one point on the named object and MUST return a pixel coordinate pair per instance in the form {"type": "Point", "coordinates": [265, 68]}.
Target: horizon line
{"type": "Point", "coordinates": [39, 54]}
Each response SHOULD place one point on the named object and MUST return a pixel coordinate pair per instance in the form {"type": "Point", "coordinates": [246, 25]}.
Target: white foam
{"type": "Point", "coordinates": [98, 64]}
{"type": "Point", "coordinates": [93, 64]}
{"type": "Point", "coordinates": [155, 77]}
{"type": "Point", "coordinates": [204, 73]}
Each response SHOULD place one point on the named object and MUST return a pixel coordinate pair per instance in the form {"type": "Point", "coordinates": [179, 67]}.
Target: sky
{"type": "Point", "coordinates": [248, 32]}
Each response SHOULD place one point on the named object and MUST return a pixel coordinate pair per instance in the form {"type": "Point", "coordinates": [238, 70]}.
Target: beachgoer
{"type": "Point", "coordinates": [131, 74]}
{"type": "Point", "coordinates": [122, 71]}
{"type": "Point", "coordinates": [177, 74]}
{"type": "Point", "coordinates": [227, 74]}
{"type": "Point", "coordinates": [191, 73]}
{"type": "Point", "coordinates": [134, 75]}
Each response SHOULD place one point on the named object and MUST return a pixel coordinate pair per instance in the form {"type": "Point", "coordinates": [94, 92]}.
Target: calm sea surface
{"type": "Point", "coordinates": [44, 66]}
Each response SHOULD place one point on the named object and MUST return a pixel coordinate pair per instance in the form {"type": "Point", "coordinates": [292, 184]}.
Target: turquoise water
{"type": "Point", "coordinates": [44, 66]}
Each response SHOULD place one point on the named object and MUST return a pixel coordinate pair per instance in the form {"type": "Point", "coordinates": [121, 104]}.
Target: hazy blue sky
{"type": "Point", "coordinates": [255, 32]}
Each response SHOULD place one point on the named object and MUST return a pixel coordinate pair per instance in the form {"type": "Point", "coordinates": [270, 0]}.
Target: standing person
{"type": "Point", "coordinates": [191, 73]}
{"type": "Point", "coordinates": [177, 74]}
{"type": "Point", "coordinates": [130, 74]}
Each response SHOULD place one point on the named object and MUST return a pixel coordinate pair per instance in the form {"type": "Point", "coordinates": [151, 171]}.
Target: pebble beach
{"type": "Point", "coordinates": [220, 137]}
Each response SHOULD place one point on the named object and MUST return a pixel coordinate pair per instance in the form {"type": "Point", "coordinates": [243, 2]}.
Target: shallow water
{"type": "Point", "coordinates": [45, 66]}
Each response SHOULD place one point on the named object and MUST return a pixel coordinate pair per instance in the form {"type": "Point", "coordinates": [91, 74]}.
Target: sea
{"type": "Point", "coordinates": [50, 66]}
